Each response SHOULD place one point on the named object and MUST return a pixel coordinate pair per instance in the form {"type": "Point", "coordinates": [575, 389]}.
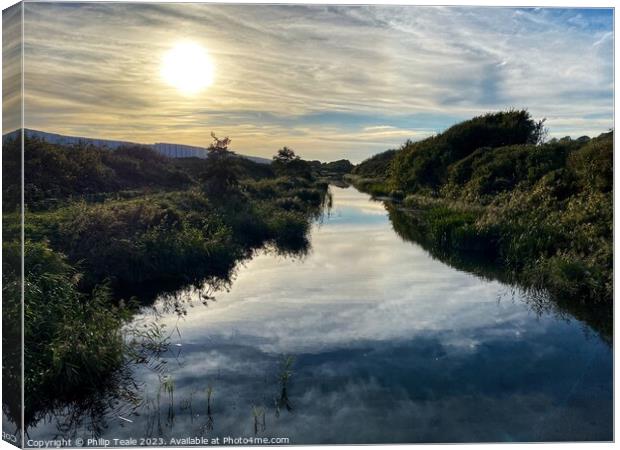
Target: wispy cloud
{"type": "Point", "coordinates": [11, 68]}
{"type": "Point", "coordinates": [323, 79]}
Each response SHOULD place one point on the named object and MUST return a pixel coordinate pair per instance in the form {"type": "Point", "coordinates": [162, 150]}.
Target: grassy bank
{"type": "Point", "coordinates": [490, 186]}
{"type": "Point", "coordinates": [72, 338]}
{"type": "Point", "coordinates": [373, 186]}
{"type": "Point", "coordinates": [176, 237]}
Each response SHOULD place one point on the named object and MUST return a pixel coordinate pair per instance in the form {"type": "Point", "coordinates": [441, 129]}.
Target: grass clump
{"type": "Point", "coordinates": [72, 338]}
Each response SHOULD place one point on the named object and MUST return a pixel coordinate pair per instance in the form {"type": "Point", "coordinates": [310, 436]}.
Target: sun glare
{"type": "Point", "coordinates": [187, 67]}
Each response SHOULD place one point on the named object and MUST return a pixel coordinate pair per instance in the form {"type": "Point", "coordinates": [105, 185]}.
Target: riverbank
{"type": "Point", "coordinates": [541, 211]}
{"type": "Point", "coordinates": [491, 242]}
{"type": "Point", "coordinates": [142, 225]}
{"type": "Point", "coordinates": [484, 240]}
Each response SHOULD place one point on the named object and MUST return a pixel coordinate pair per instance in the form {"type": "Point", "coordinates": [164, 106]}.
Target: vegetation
{"type": "Point", "coordinates": [491, 186]}
{"type": "Point", "coordinates": [375, 166]}
{"type": "Point", "coordinates": [423, 165]}
{"type": "Point", "coordinates": [333, 170]}
{"type": "Point", "coordinates": [176, 237]}
{"type": "Point", "coordinates": [473, 256]}
{"type": "Point", "coordinates": [286, 162]}
{"type": "Point", "coordinates": [82, 348]}
{"type": "Point", "coordinates": [371, 175]}
{"type": "Point", "coordinates": [106, 229]}
{"type": "Point", "coordinates": [55, 173]}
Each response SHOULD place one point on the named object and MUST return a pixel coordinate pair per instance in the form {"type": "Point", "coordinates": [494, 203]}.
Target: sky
{"type": "Point", "coordinates": [329, 81]}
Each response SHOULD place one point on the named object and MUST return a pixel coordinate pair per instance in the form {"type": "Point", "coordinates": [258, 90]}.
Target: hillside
{"type": "Point", "coordinates": [55, 172]}
{"type": "Point", "coordinates": [376, 166]}
{"type": "Point", "coordinates": [163, 148]}
{"type": "Point", "coordinates": [489, 185]}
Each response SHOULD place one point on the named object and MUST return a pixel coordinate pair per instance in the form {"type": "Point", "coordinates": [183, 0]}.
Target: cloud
{"type": "Point", "coordinates": [11, 68]}
{"type": "Point", "coordinates": [93, 69]}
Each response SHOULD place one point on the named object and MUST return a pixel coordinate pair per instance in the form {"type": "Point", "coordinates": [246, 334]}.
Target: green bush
{"type": "Point", "coordinates": [593, 164]}
{"type": "Point", "coordinates": [375, 166]}
{"type": "Point", "coordinates": [72, 339]}
{"type": "Point", "coordinates": [423, 165]}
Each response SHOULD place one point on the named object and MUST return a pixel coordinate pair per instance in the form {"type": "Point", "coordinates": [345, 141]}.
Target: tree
{"type": "Point", "coordinates": [286, 162]}
{"type": "Point", "coordinates": [220, 176]}
{"type": "Point", "coordinates": [285, 156]}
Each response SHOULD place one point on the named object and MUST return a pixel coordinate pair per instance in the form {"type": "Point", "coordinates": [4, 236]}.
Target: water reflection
{"type": "Point", "coordinates": [598, 317]}
{"type": "Point", "coordinates": [367, 339]}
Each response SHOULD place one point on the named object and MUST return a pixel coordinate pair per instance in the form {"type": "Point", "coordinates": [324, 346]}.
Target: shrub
{"type": "Point", "coordinates": [424, 164]}
{"type": "Point", "coordinates": [72, 339]}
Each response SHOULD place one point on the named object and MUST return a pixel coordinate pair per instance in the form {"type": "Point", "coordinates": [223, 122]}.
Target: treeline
{"type": "Point", "coordinates": [492, 186]}
{"type": "Point", "coordinates": [55, 173]}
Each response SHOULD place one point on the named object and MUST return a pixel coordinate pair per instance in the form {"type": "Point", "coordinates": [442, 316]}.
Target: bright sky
{"type": "Point", "coordinates": [328, 81]}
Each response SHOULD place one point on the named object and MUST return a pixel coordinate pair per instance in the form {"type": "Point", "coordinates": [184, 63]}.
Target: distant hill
{"type": "Point", "coordinates": [163, 148]}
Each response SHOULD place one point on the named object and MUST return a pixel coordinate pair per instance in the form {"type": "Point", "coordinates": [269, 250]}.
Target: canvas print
{"type": "Point", "coordinates": [295, 224]}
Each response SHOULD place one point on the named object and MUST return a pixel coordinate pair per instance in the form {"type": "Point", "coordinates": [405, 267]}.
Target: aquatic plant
{"type": "Point", "coordinates": [166, 384]}
{"type": "Point", "coordinates": [258, 414]}
{"type": "Point", "coordinates": [284, 376]}
{"type": "Point", "coordinates": [210, 422]}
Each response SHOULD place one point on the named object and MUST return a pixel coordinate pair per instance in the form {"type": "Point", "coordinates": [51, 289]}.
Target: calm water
{"type": "Point", "coordinates": [373, 341]}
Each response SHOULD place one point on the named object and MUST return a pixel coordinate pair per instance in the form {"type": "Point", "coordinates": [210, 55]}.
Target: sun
{"type": "Point", "coordinates": [188, 67]}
